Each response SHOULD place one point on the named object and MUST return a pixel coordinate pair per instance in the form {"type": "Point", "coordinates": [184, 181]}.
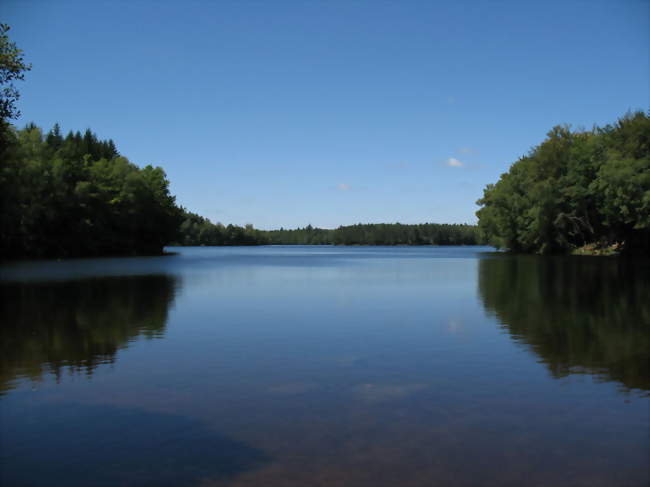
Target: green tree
{"type": "Point", "coordinates": [574, 189]}
{"type": "Point", "coordinates": [76, 196]}
{"type": "Point", "coordinates": [12, 68]}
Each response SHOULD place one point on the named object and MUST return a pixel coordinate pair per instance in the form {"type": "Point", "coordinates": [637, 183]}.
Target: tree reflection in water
{"type": "Point", "coordinates": [579, 314]}
{"type": "Point", "coordinates": [79, 324]}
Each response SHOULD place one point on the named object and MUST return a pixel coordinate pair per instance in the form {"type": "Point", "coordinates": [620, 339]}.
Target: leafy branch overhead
{"type": "Point", "coordinates": [12, 68]}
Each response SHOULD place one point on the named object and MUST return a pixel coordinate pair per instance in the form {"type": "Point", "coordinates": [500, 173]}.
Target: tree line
{"type": "Point", "coordinates": [575, 189]}
{"type": "Point", "coordinates": [400, 234]}
{"type": "Point", "coordinates": [196, 230]}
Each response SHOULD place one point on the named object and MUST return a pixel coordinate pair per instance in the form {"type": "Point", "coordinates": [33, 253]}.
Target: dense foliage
{"type": "Point", "coordinates": [75, 195]}
{"type": "Point", "coordinates": [574, 189]}
{"type": "Point", "coordinates": [12, 68]}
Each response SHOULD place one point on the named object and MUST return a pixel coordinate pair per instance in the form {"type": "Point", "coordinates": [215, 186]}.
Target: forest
{"type": "Point", "coordinates": [196, 230]}
{"type": "Point", "coordinates": [75, 195]}
{"type": "Point", "coordinates": [575, 190]}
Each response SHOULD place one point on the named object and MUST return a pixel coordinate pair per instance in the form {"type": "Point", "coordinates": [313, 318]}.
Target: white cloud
{"type": "Point", "coordinates": [453, 162]}
{"type": "Point", "coordinates": [343, 187]}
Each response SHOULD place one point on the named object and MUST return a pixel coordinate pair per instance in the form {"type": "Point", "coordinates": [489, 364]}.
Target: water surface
{"type": "Point", "coordinates": [295, 366]}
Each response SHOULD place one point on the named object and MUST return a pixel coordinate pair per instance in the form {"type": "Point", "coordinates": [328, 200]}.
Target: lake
{"type": "Point", "coordinates": [325, 366]}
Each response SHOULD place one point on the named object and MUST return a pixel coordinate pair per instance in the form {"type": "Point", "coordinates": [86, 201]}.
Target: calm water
{"type": "Point", "coordinates": [325, 366]}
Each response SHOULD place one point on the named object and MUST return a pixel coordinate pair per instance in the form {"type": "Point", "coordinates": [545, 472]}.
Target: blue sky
{"type": "Point", "coordinates": [288, 113]}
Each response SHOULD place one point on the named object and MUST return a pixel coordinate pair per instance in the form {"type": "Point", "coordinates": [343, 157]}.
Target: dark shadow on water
{"type": "Point", "coordinates": [80, 445]}
{"type": "Point", "coordinates": [579, 314]}
{"type": "Point", "coordinates": [46, 327]}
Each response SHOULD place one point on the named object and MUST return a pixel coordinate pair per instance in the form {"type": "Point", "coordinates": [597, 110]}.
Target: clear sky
{"type": "Point", "coordinates": [330, 112]}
